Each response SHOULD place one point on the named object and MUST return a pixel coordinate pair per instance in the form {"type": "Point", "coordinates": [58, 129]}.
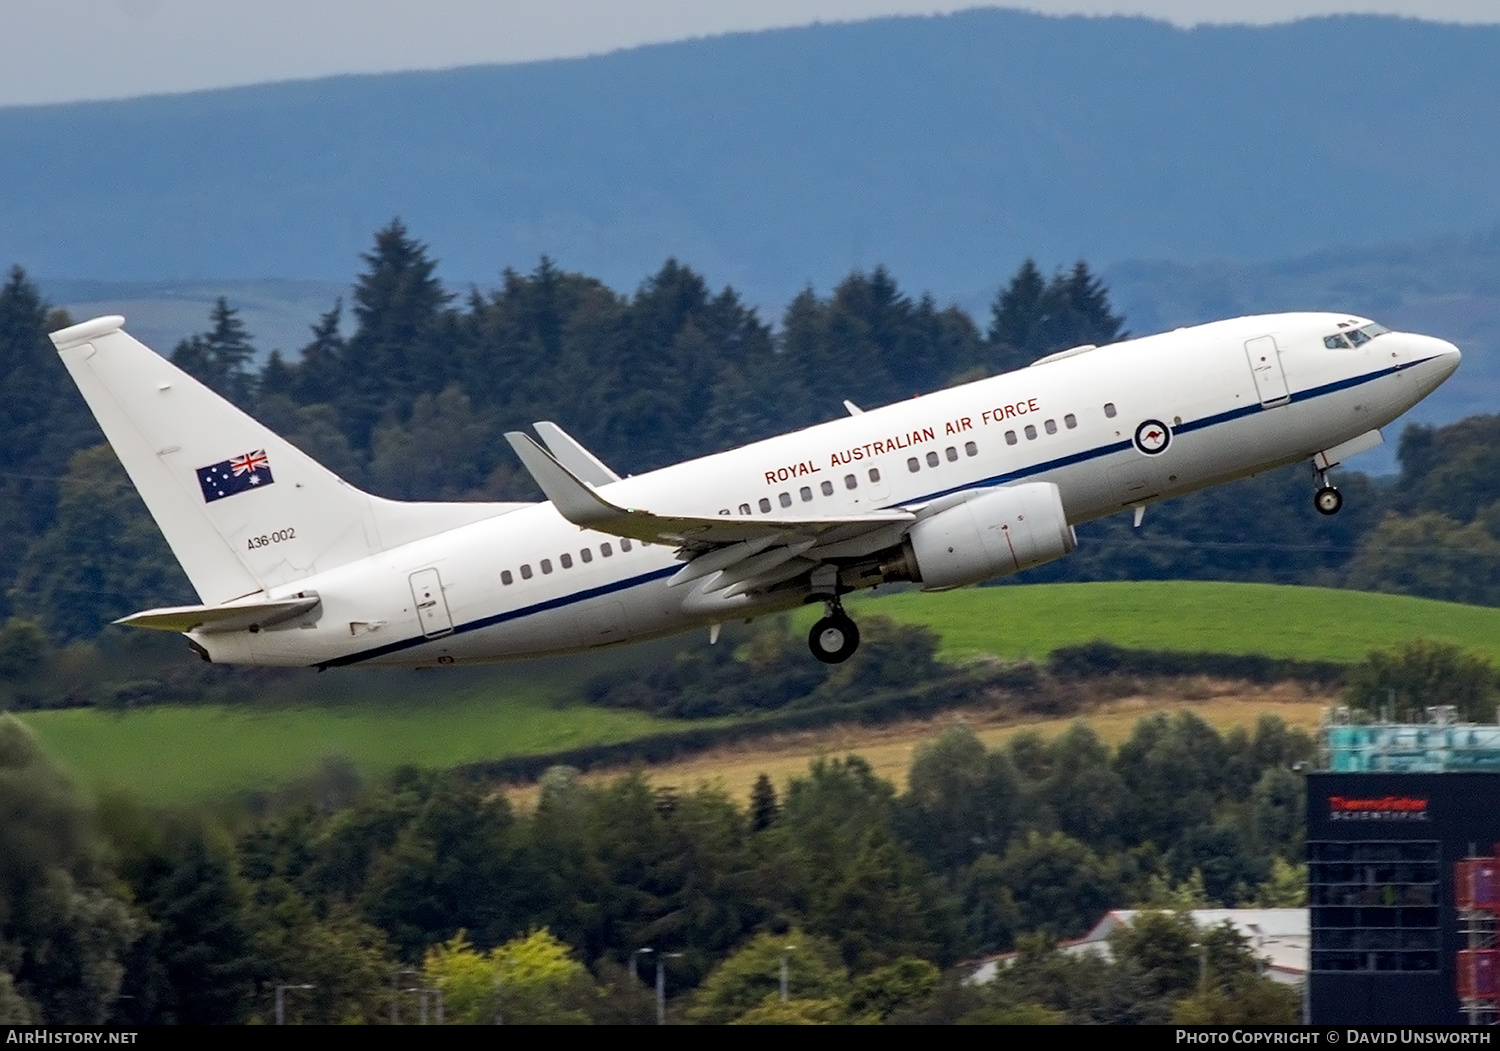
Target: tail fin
{"type": "Point", "coordinates": [242, 509]}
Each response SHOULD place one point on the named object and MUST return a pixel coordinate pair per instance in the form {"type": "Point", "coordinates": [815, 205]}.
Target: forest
{"type": "Point", "coordinates": [375, 895]}
{"type": "Point", "coordinates": [409, 392]}
{"type": "Point", "coordinates": [376, 900]}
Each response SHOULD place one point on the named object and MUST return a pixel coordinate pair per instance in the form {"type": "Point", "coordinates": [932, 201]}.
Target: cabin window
{"type": "Point", "coordinates": [587, 554]}
{"type": "Point", "coordinates": [951, 453]}
{"type": "Point", "coordinates": [723, 510]}
{"type": "Point", "coordinates": [625, 544]}
{"type": "Point", "coordinates": [970, 449]}
{"type": "Point", "coordinates": [1010, 439]}
{"type": "Point", "coordinates": [932, 458]}
{"type": "Point", "coordinates": [874, 474]}
{"type": "Point", "coordinates": [1030, 433]}
{"type": "Point", "coordinates": [827, 488]}
{"type": "Point", "coordinates": [912, 465]}
{"type": "Point", "coordinates": [806, 493]}
{"type": "Point", "coordinates": [786, 499]}
{"type": "Point", "coordinates": [1051, 426]}
{"type": "Point", "coordinates": [604, 549]}
{"type": "Point", "coordinates": [526, 572]}
{"type": "Point", "coordinates": [546, 565]}
{"type": "Point", "coordinates": [851, 482]}
{"type": "Point", "coordinates": [744, 509]}
{"type": "Point", "coordinates": [506, 578]}
{"type": "Point", "coordinates": [566, 560]}
{"type": "Point", "coordinates": [1070, 421]}
{"type": "Point", "coordinates": [1109, 409]}
{"type": "Point", "coordinates": [765, 505]}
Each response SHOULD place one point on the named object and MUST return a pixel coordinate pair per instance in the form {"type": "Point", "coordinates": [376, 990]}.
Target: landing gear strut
{"type": "Point", "coordinates": [1327, 499]}
{"type": "Point", "coordinates": [834, 639]}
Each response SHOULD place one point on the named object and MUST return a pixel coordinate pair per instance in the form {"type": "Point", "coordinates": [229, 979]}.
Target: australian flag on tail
{"type": "Point", "coordinates": [239, 475]}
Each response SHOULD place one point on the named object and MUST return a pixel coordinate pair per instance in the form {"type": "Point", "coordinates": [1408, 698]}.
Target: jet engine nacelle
{"type": "Point", "coordinates": [1001, 531]}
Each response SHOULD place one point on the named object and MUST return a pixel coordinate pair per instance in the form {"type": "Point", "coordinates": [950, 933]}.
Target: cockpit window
{"type": "Point", "coordinates": [1354, 337]}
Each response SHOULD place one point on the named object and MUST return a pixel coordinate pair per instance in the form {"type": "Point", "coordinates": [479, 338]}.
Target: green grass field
{"type": "Point", "coordinates": [379, 720]}
{"type": "Point", "coordinates": [1193, 616]}
{"type": "Point", "coordinates": [179, 754]}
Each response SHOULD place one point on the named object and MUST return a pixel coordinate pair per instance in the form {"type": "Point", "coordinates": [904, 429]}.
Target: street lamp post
{"type": "Point", "coordinates": [281, 1001]}
{"type": "Point", "coordinates": [661, 985]}
{"type": "Point", "coordinates": [396, 992]}
{"type": "Point", "coordinates": [635, 956]}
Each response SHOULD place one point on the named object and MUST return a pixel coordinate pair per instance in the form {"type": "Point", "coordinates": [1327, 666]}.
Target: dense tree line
{"type": "Point", "coordinates": [112, 912]}
{"type": "Point", "coordinates": [409, 395]}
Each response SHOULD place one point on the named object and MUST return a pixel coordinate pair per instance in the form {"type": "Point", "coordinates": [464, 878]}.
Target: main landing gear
{"type": "Point", "coordinates": [834, 639]}
{"type": "Point", "coordinates": [1327, 499]}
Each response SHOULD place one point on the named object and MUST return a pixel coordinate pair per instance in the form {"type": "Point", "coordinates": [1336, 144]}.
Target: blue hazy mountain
{"type": "Point", "coordinates": [947, 148]}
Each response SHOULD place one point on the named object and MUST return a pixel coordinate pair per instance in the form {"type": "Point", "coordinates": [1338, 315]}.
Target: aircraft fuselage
{"type": "Point", "coordinates": [1113, 428]}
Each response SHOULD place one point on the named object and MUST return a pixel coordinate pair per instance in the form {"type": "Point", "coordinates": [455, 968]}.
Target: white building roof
{"type": "Point", "coordinates": [1279, 936]}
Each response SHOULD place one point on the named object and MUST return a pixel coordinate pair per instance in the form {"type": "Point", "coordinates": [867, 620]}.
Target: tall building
{"type": "Point", "coordinates": [1395, 922]}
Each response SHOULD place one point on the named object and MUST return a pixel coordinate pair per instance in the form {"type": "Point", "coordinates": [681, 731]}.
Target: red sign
{"type": "Point", "coordinates": [1389, 808]}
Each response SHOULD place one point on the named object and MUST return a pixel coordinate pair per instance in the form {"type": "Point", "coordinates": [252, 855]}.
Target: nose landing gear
{"type": "Point", "coordinates": [834, 639]}
{"type": "Point", "coordinates": [1327, 499]}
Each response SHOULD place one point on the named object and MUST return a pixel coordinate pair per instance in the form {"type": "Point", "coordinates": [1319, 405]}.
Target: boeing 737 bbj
{"type": "Point", "coordinates": [294, 566]}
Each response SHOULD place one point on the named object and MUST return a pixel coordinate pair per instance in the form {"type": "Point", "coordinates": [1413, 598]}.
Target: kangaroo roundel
{"type": "Point", "coordinates": [1153, 437]}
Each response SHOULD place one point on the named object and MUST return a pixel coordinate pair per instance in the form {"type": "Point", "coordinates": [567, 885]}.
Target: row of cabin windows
{"type": "Point", "coordinates": [914, 465]}
{"type": "Point", "coordinates": [1050, 426]}
{"type": "Point", "coordinates": [850, 482]}
{"type": "Point", "coordinates": [566, 560]}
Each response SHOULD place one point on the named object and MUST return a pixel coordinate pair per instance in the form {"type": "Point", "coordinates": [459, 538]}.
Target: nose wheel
{"type": "Point", "coordinates": [834, 639]}
{"type": "Point", "coordinates": [1326, 499]}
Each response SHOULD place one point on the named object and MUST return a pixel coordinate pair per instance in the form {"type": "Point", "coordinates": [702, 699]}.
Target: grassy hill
{"type": "Point", "coordinates": [1194, 616]}
{"type": "Point", "coordinates": [178, 754]}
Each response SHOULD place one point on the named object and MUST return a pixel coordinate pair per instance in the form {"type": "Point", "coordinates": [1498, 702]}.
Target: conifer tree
{"type": "Point", "coordinates": [394, 354]}
{"type": "Point", "coordinates": [221, 356]}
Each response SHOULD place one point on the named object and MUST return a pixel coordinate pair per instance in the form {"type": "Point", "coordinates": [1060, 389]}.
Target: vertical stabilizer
{"type": "Point", "coordinates": [243, 509]}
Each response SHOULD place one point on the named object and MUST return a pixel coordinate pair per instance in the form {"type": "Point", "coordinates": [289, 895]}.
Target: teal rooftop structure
{"type": "Point", "coordinates": [1439, 745]}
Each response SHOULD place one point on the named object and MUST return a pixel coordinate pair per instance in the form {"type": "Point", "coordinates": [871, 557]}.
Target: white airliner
{"type": "Point", "coordinates": [296, 567]}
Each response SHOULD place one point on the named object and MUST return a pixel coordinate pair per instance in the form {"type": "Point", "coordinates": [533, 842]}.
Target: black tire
{"type": "Point", "coordinates": [834, 639]}
{"type": "Point", "coordinates": [1328, 500]}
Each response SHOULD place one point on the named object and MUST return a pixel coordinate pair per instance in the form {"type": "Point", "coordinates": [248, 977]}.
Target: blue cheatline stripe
{"type": "Point", "coordinates": [1186, 428]}
{"type": "Point", "coordinates": [501, 618]}
{"type": "Point", "coordinates": [999, 479]}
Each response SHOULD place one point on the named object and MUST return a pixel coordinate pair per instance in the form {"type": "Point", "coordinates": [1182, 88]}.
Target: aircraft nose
{"type": "Point", "coordinates": [1443, 356]}
{"type": "Point", "coordinates": [1450, 356]}
{"type": "Point", "coordinates": [1427, 359]}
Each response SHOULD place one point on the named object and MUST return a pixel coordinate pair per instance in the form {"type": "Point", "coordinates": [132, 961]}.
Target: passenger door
{"type": "Point", "coordinates": [1264, 358]}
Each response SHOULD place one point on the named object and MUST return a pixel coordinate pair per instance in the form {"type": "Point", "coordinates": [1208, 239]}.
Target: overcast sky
{"type": "Point", "coordinates": [64, 50]}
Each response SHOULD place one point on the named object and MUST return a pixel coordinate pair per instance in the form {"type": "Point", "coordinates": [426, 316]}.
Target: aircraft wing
{"type": "Point", "coordinates": [751, 552]}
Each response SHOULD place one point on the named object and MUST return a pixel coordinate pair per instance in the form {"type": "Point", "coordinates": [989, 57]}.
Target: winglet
{"type": "Point", "coordinates": [584, 464]}
{"type": "Point", "coordinates": [574, 499]}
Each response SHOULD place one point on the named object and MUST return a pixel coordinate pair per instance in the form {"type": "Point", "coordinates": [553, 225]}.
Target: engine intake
{"type": "Point", "coordinates": [999, 532]}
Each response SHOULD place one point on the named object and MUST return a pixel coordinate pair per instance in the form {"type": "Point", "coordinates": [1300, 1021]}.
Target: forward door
{"type": "Point", "coordinates": [1265, 366]}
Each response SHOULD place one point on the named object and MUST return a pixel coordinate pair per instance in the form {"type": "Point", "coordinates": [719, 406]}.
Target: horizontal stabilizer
{"type": "Point", "coordinates": [210, 619]}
